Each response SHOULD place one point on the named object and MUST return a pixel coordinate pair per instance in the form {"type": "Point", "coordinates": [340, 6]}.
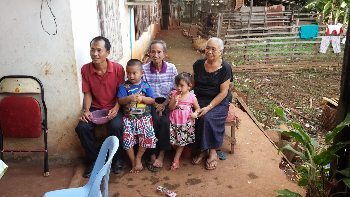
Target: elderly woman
{"type": "Point", "coordinates": [161, 77]}
{"type": "Point", "coordinates": [212, 78]}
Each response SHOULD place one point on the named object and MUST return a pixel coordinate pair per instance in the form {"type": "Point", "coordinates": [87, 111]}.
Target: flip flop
{"type": "Point", "coordinates": [211, 165]}
{"type": "Point", "coordinates": [221, 155]}
{"type": "Point", "coordinates": [152, 168]}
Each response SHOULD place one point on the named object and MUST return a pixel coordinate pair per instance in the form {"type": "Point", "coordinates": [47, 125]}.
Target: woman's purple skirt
{"type": "Point", "coordinates": [210, 128]}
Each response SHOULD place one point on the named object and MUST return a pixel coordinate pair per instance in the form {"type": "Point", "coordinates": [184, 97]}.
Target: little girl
{"type": "Point", "coordinates": [181, 115]}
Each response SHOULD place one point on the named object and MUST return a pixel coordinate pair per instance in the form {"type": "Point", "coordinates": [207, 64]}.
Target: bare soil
{"type": "Point", "coordinates": [298, 92]}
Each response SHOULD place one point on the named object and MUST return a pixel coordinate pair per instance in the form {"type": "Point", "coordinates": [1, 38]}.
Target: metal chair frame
{"type": "Point", "coordinates": [19, 89]}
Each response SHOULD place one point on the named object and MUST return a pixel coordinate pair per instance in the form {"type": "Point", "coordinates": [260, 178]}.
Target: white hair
{"type": "Point", "coordinates": [218, 41]}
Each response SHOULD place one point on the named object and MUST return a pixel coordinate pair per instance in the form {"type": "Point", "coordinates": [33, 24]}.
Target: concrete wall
{"type": "Point", "coordinates": [28, 50]}
{"type": "Point", "coordinates": [56, 60]}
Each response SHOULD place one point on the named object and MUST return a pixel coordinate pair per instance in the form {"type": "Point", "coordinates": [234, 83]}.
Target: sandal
{"type": "Point", "coordinates": [211, 165]}
{"type": "Point", "coordinates": [152, 168]}
{"type": "Point", "coordinates": [221, 155]}
{"type": "Point", "coordinates": [175, 165]}
{"type": "Point", "coordinates": [135, 170]}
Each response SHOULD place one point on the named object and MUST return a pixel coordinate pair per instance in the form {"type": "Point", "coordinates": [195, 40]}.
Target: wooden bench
{"type": "Point", "coordinates": [232, 137]}
{"type": "Point", "coordinates": [233, 124]}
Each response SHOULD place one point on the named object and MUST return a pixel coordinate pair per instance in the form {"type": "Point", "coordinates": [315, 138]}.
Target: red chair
{"type": "Point", "coordinates": [23, 112]}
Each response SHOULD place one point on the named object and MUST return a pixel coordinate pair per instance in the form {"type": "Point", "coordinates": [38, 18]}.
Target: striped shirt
{"type": "Point", "coordinates": [161, 82]}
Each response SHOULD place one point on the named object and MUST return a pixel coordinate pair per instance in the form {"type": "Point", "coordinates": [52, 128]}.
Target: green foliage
{"type": "Point", "coordinates": [287, 193]}
{"type": "Point", "coordinates": [330, 136]}
{"type": "Point", "coordinates": [330, 9]}
{"type": "Point", "coordinates": [312, 174]}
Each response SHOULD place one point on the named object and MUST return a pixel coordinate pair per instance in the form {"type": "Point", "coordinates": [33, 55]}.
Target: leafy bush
{"type": "Point", "coordinates": [314, 173]}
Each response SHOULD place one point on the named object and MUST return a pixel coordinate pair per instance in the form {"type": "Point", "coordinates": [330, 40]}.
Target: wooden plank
{"type": "Point", "coordinates": [250, 59]}
{"type": "Point", "coordinates": [311, 48]}
{"type": "Point", "coordinates": [238, 53]}
{"type": "Point", "coordinates": [257, 67]}
{"type": "Point", "coordinates": [298, 58]}
{"type": "Point", "coordinates": [263, 13]}
{"type": "Point", "coordinates": [265, 66]}
{"type": "Point", "coordinates": [302, 14]}
{"type": "Point", "coordinates": [274, 43]}
{"type": "Point", "coordinates": [301, 64]}
{"type": "Point", "coordinates": [273, 27]}
{"type": "Point", "coordinates": [274, 68]}
{"type": "Point", "coordinates": [261, 34]}
{"type": "Point", "coordinates": [264, 39]}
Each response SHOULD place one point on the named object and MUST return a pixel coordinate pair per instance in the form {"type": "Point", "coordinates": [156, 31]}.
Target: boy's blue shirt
{"type": "Point", "coordinates": [127, 89]}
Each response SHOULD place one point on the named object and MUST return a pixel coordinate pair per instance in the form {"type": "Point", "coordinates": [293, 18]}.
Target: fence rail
{"type": "Point", "coordinates": [278, 45]}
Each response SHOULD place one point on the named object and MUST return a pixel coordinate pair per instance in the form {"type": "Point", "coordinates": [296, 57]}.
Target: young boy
{"type": "Point", "coordinates": [136, 96]}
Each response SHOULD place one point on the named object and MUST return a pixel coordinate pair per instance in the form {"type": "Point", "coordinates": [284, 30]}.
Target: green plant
{"type": "Point", "coordinates": [314, 173]}
{"type": "Point", "coordinates": [333, 10]}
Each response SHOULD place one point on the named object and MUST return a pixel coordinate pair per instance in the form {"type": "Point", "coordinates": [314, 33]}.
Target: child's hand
{"type": "Point", "coordinates": [194, 115]}
{"type": "Point", "coordinates": [138, 98]}
{"type": "Point", "coordinates": [133, 98]}
{"type": "Point", "coordinates": [177, 98]}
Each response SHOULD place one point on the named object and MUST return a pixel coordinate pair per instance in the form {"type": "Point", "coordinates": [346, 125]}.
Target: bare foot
{"type": "Point", "coordinates": [175, 165]}
{"type": "Point", "coordinates": [158, 163]}
{"type": "Point", "coordinates": [138, 168]}
{"type": "Point", "coordinates": [199, 158]}
{"type": "Point", "coordinates": [153, 158]}
{"type": "Point", "coordinates": [138, 165]}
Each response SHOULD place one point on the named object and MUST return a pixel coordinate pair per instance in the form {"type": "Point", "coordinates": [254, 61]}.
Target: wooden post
{"type": "Point", "coordinates": [291, 23]}
{"type": "Point", "coordinates": [250, 15]}
{"type": "Point", "coordinates": [267, 52]}
{"type": "Point", "coordinates": [240, 18]}
{"type": "Point", "coordinates": [265, 18]}
{"type": "Point", "coordinates": [220, 19]}
{"type": "Point", "coordinates": [245, 53]}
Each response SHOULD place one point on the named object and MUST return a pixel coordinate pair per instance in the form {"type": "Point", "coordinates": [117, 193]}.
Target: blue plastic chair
{"type": "Point", "coordinates": [101, 170]}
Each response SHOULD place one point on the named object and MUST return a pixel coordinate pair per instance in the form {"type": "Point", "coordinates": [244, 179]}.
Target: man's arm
{"type": "Point", "coordinates": [114, 111]}
{"type": "Point", "coordinates": [86, 116]}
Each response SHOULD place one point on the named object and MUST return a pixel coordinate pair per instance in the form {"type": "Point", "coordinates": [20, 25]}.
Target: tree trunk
{"type": "Point", "coordinates": [343, 109]}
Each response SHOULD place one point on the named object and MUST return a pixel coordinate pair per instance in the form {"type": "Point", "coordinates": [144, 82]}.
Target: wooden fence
{"type": "Point", "coordinates": [277, 45]}
{"type": "Point", "coordinates": [204, 29]}
{"type": "Point", "coordinates": [263, 18]}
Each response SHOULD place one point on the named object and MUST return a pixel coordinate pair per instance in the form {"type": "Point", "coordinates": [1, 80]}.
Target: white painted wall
{"type": "Point", "coordinates": [125, 30]}
{"type": "Point", "coordinates": [27, 50]}
{"type": "Point", "coordinates": [85, 27]}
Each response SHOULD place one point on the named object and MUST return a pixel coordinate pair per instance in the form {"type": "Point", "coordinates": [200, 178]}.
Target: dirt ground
{"type": "Point", "coordinates": [298, 92]}
{"type": "Point", "coordinates": [253, 170]}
